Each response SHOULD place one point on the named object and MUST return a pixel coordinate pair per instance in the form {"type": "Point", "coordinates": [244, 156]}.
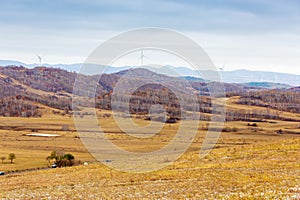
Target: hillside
{"type": "Point", "coordinates": [54, 88]}
{"type": "Point", "coordinates": [241, 76]}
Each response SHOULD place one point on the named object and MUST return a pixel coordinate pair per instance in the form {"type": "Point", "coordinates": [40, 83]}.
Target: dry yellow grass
{"type": "Point", "coordinates": [252, 163]}
{"type": "Point", "coordinates": [261, 171]}
{"type": "Point", "coordinates": [31, 151]}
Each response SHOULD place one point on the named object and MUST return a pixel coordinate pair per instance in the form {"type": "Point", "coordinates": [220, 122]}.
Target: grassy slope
{"type": "Point", "coordinates": [253, 163]}
{"type": "Point", "coordinates": [260, 171]}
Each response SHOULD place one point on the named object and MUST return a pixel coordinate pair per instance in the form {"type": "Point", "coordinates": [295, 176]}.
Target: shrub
{"type": "Point", "coordinates": [254, 124]}
{"type": "Point", "coordinates": [226, 129]}
{"type": "Point", "coordinates": [234, 129]}
{"type": "Point", "coordinates": [61, 159]}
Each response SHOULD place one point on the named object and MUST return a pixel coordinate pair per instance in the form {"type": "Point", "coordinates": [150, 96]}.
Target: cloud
{"type": "Point", "coordinates": [259, 33]}
{"type": "Point", "coordinates": [234, 15]}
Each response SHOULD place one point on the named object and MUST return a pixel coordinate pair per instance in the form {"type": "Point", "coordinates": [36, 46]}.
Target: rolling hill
{"type": "Point", "coordinates": [236, 76]}
{"type": "Point", "coordinates": [23, 90]}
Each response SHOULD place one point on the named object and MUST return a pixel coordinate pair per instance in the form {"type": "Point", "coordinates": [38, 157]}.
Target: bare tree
{"type": "Point", "coordinates": [2, 159]}
{"type": "Point", "coordinates": [11, 157]}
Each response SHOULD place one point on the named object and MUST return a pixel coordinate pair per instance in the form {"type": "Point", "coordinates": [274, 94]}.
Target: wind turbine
{"type": "Point", "coordinates": [40, 58]}
{"type": "Point", "coordinates": [221, 71]}
{"type": "Point", "coordinates": [142, 57]}
{"type": "Point", "coordinates": [222, 68]}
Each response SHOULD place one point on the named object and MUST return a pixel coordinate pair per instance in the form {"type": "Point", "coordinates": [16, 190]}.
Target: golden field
{"type": "Point", "coordinates": [248, 163]}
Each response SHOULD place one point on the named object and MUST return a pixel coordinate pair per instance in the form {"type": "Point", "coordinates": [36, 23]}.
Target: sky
{"type": "Point", "coordinates": [236, 34]}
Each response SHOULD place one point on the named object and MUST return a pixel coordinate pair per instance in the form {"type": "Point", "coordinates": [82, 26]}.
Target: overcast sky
{"type": "Point", "coordinates": [249, 34]}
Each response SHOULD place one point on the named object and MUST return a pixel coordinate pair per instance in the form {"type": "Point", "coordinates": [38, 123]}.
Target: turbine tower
{"type": "Point", "coordinates": [40, 58]}
{"type": "Point", "coordinates": [142, 57]}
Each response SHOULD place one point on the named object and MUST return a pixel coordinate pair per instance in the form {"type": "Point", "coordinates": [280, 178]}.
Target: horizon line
{"type": "Point", "coordinates": [54, 65]}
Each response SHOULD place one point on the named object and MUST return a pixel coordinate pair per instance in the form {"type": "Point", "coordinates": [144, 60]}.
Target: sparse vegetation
{"type": "Point", "coordinates": [11, 157]}
{"type": "Point", "coordinates": [2, 159]}
{"type": "Point", "coordinates": [240, 173]}
{"type": "Point", "coordinates": [61, 159]}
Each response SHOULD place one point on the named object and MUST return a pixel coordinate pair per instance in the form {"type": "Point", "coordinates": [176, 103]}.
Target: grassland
{"type": "Point", "coordinates": [32, 151]}
{"type": "Point", "coordinates": [267, 170]}
{"type": "Point", "coordinates": [251, 162]}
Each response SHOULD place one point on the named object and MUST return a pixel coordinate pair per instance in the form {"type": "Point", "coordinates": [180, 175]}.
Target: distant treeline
{"type": "Point", "coordinates": [18, 107]}
{"type": "Point", "coordinates": [277, 99]}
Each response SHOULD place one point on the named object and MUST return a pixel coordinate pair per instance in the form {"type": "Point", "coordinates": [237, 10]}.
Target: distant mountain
{"type": "Point", "coordinates": [192, 79]}
{"type": "Point", "coordinates": [245, 76]}
{"type": "Point", "coordinates": [268, 85]}
{"type": "Point", "coordinates": [11, 62]}
{"type": "Point", "coordinates": [256, 78]}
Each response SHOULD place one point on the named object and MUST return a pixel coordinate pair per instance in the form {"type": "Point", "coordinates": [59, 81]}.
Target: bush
{"type": "Point", "coordinates": [234, 129]}
{"type": "Point", "coordinates": [61, 159]}
{"type": "Point", "coordinates": [254, 124]}
{"type": "Point", "coordinates": [226, 129]}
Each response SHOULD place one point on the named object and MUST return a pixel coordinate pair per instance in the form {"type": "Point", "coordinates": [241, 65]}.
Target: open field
{"type": "Point", "coordinates": [31, 151]}
{"type": "Point", "coordinates": [266, 170]}
{"type": "Point", "coordinates": [248, 162]}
